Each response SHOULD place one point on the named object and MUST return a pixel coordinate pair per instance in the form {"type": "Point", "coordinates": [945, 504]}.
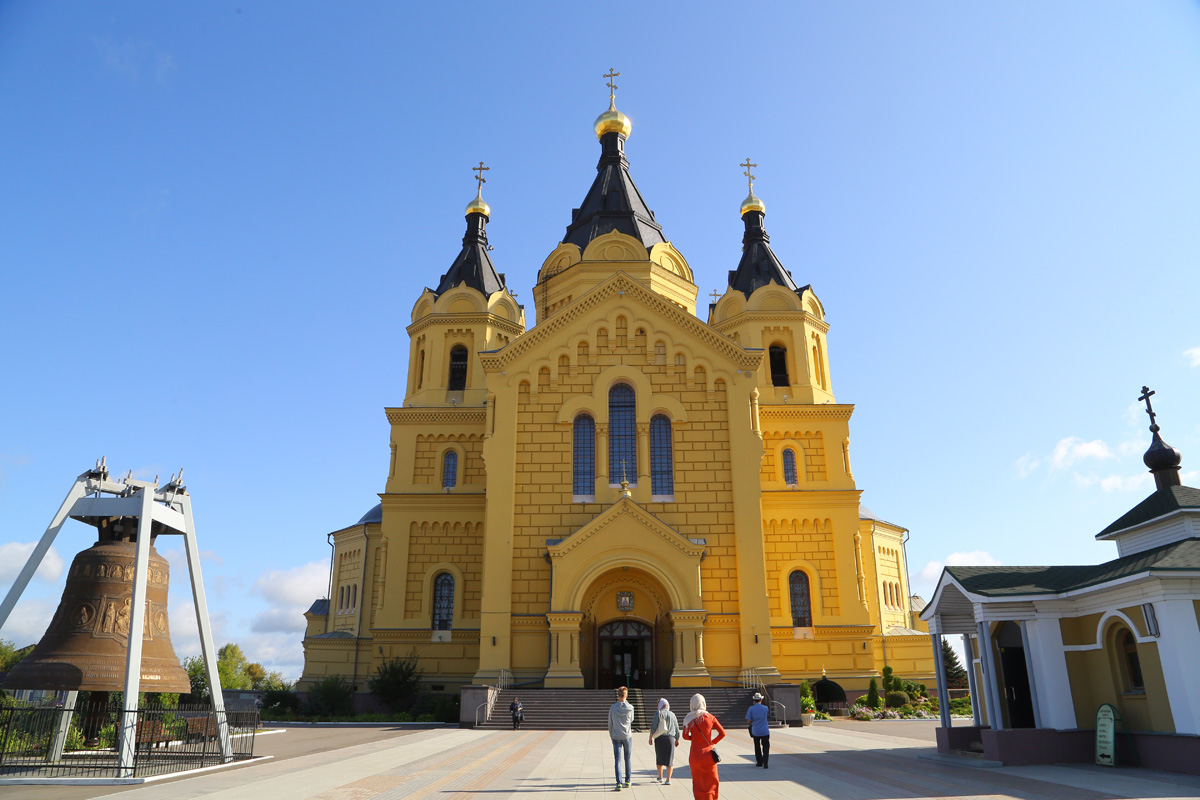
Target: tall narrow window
{"type": "Point", "coordinates": [789, 466]}
{"type": "Point", "coordinates": [420, 369]}
{"type": "Point", "coordinates": [354, 597]}
{"type": "Point", "coordinates": [801, 602]}
{"type": "Point", "coordinates": [583, 455]}
{"type": "Point", "coordinates": [662, 465]}
{"type": "Point", "coordinates": [443, 601]}
{"type": "Point", "coordinates": [1133, 664]}
{"type": "Point", "coordinates": [622, 434]}
{"type": "Point", "coordinates": [779, 371]}
{"type": "Point", "coordinates": [450, 469]}
{"type": "Point", "coordinates": [458, 369]}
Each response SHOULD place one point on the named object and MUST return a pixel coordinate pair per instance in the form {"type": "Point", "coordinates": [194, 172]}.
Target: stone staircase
{"type": "Point", "coordinates": [587, 709]}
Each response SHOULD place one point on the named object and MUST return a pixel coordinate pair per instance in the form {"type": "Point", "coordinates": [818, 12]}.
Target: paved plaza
{"type": "Point", "coordinates": [854, 761]}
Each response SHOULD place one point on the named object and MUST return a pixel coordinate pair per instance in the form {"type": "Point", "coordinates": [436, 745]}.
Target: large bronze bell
{"type": "Point", "coordinates": [85, 647]}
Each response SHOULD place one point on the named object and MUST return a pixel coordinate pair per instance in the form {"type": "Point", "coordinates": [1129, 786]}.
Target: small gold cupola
{"type": "Point", "coordinates": [751, 203]}
{"type": "Point", "coordinates": [613, 121]}
{"type": "Point", "coordinates": [477, 206]}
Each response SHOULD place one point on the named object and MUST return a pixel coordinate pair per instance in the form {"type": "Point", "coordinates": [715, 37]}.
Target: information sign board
{"type": "Point", "coordinates": [1106, 735]}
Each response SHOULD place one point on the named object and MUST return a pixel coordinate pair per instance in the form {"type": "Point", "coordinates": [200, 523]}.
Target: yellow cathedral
{"type": "Point", "coordinates": [623, 493]}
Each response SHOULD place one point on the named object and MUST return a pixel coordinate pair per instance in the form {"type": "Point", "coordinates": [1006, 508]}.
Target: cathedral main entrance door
{"type": "Point", "coordinates": [625, 655]}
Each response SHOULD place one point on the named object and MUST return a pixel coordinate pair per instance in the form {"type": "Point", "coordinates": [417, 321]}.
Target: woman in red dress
{"type": "Point", "coordinates": [703, 730]}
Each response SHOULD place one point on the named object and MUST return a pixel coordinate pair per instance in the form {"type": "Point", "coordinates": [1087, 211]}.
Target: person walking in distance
{"type": "Point", "coordinates": [760, 730]}
{"type": "Point", "coordinates": [620, 730]}
{"type": "Point", "coordinates": [665, 738]}
{"type": "Point", "coordinates": [703, 730]}
{"type": "Point", "coordinates": [517, 712]}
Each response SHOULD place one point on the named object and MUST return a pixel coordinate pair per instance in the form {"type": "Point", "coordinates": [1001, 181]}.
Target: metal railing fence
{"type": "Point", "coordinates": [55, 742]}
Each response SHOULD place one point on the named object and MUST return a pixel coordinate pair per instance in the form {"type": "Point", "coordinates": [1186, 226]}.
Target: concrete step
{"type": "Point", "coordinates": [587, 709]}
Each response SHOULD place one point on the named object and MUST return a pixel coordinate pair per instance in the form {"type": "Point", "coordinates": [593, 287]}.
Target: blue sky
{"type": "Point", "coordinates": [216, 217]}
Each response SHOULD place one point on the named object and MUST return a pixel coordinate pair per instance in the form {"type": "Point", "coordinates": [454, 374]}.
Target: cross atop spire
{"type": "Point", "coordinates": [479, 174]}
{"type": "Point", "coordinates": [612, 87]}
{"type": "Point", "coordinates": [1146, 395]}
{"type": "Point", "coordinates": [749, 177]}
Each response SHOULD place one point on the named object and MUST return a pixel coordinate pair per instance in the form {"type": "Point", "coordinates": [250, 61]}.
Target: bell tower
{"type": "Point", "coordinates": [763, 308]}
{"type": "Point", "coordinates": [470, 311]}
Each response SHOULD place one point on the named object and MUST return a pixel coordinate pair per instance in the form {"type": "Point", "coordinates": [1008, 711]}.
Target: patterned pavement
{"type": "Point", "coordinates": [842, 762]}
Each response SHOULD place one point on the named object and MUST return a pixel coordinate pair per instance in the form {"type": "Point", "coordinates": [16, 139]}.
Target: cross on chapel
{"type": "Point", "coordinates": [749, 177]}
{"type": "Point", "coordinates": [1146, 395]}
{"type": "Point", "coordinates": [612, 87]}
{"type": "Point", "coordinates": [715, 295]}
{"type": "Point", "coordinates": [479, 174]}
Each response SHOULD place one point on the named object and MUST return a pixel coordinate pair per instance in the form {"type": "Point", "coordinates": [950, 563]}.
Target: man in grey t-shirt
{"type": "Point", "coordinates": [620, 730]}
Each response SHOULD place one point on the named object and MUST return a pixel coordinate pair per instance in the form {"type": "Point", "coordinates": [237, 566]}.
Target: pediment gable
{"type": "Point", "coordinates": [640, 523]}
{"type": "Point", "coordinates": [549, 334]}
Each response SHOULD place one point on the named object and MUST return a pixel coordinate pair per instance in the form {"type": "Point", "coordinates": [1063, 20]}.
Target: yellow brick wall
{"type": "Point", "coordinates": [703, 484]}
{"type": "Point", "coordinates": [457, 543]}
{"type": "Point", "coordinates": [427, 466]}
{"type": "Point", "coordinates": [813, 444]}
{"type": "Point", "coordinates": [811, 540]}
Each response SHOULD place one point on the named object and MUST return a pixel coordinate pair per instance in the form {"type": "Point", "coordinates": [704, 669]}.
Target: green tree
{"type": "Point", "coordinates": [889, 680]}
{"type": "Point", "coordinates": [194, 667]}
{"type": "Point", "coordinates": [332, 696]}
{"type": "Point", "coordinates": [395, 682]}
{"type": "Point", "coordinates": [956, 676]}
{"type": "Point", "coordinates": [873, 698]}
{"type": "Point", "coordinates": [256, 674]}
{"type": "Point", "coordinates": [231, 666]}
{"type": "Point", "coordinates": [10, 654]}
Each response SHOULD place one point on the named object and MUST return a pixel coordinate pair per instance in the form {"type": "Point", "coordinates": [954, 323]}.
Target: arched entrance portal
{"type": "Point", "coordinates": [626, 634]}
{"type": "Point", "coordinates": [625, 655]}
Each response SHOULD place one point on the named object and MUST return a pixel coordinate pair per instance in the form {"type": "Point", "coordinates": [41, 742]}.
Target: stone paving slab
{"type": "Point", "coordinates": [830, 762]}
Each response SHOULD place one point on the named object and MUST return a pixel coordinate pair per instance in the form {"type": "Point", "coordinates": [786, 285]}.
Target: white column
{"type": "Point", "coordinates": [137, 626]}
{"type": "Point", "coordinates": [1178, 644]}
{"type": "Point", "coordinates": [1032, 673]}
{"type": "Point", "coordinates": [64, 727]}
{"type": "Point", "coordinates": [991, 682]}
{"type": "Point", "coordinates": [1047, 661]}
{"type": "Point", "coordinates": [972, 684]}
{"type": "Point", "coordinates": [939, 671]}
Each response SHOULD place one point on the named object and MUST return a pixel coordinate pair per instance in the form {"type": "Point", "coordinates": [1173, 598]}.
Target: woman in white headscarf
{"type": "Point", "coordinates": [703, 730]}
{"type": "Point", "coordinates": [665, 738]}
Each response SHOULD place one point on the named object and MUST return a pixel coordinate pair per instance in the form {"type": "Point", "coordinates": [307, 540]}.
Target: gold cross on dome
{"type": "Point", "coordinates": [715, 295]}
{"type": "Point", "coordinates": [748, 167]}
{"type": "Point", "coordinates": [612, 87]}
{"type": "Point", "coordinates": [479, 173]}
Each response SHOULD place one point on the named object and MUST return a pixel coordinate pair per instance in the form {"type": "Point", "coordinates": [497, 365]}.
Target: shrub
{"type": "Point", "coordinates": [897, 699]}
{"type": "Point", "coordinates": [395, 682]}
{"type": "Point", "coordinates": [281, 700]}
{"type": "Point", "coordinates": [807, 705]}
{"type": "Point", "coordinates": [331, 697]}
{"type": "Point", "coordinates": [863, 713]}
{"type": "Point", "coordinates": [873, 698]}
{"type": "Point", "coordinates": [805, 689]}
{"type": "Point", "coordinates": [889, 681]}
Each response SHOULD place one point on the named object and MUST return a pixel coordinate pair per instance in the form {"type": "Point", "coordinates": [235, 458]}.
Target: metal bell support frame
{"type": "Point", "coordinates": [94, 495]}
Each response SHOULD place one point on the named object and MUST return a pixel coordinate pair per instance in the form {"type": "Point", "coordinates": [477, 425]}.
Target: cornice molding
{"type": "Point", "coordinates": [826, 411]}
{"type": "Point", "coordinates": [757, 317]}
{"type": "Point", "coordinates": [431, 416]}
{"type": "Point", "coordinates": [473, 318]}
{"type": "Point", "coordinates": [621, 283]}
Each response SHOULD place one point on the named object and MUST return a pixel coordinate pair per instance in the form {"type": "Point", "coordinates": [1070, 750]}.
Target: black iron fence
{"type": "Point", "coordinates": [54, 742]}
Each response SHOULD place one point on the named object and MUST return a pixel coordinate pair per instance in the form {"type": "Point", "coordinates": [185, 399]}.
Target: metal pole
{"type": "Point", "coordinates": [137, 624]}
{"type": "Point", "coordinates": [207, 648]}
{"type": "Point", "coordinates": [972, 683]}
{"type": "Point", "coordinates": [39, 551]}
{"type": "Point", "coordinates": [939, 670]}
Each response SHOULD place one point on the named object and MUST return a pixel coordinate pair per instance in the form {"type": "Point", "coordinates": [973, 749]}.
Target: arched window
{"type": "Point", "coordinates": [420, 369]}
{"type": "Point", "coordinates": [779, 372]}
{"type": "Point", "coordinates": [662, 465]}
{"type": "Point", "coordinates": [458, 369]}
{"type": "Point", "coordinates": [801, 602]}
{"type": "Point", "coordinates": [1133, 664]}
{"type": "Point", "coordinates": [341, 606]}
{"type": "Point", "coordinates": [443, 601]}
{"type": "Point", "coordinates": [354, 597]}
{"type": "Point", "coordinates": [450, 469]}
{"type": "Point", "coordinates": [583, 456]}
{"type": "Point", "coordinates": [789, 466]}
{"type": "Point", "coordinates": [622, 434]}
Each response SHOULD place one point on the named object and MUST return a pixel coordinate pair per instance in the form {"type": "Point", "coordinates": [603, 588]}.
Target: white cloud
{"type": "Point", "coordinates": [28, 622]}
{"type": "Point", "coordinates": [279, 620]}
{"type": "Point", "coordinates": [929, 574]}
{"type": "Point", "coordinates": [1026, 464]}
{"type": "Point", "coordinates": [14, 555]}
{"type": "Point", "coordinates": [1143, 482]}
{"type": "Point", "coordinates": [1193, 356]}
{"type": "Point", "coordinates": [297, 586]}
{"type": "Point", "coordinates": [1072, 449]}
{"type": "Point", "coordinates": [135, 60]}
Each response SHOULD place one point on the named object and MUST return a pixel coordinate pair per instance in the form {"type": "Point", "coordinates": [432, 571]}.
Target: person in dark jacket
{"type": "Point", "coordinates": [518, 713]}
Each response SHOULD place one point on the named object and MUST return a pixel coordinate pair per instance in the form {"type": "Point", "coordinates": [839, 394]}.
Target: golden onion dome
{"type": "Point", "coordinates": [477, 206]}
{"type": "Point", "coordinates": [613, 121]}
{"type": "Point", "coordinates": [752, 203]}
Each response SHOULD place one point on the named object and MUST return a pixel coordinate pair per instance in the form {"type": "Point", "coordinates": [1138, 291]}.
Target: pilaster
{"type": "Point", "coordinates": [564, 672]}
{"type": "Point", "coordinates": [689, 649]}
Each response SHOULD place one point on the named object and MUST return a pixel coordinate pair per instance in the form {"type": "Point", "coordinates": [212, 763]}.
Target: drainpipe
{"type": "Point", "coordinates": [909, 617]}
